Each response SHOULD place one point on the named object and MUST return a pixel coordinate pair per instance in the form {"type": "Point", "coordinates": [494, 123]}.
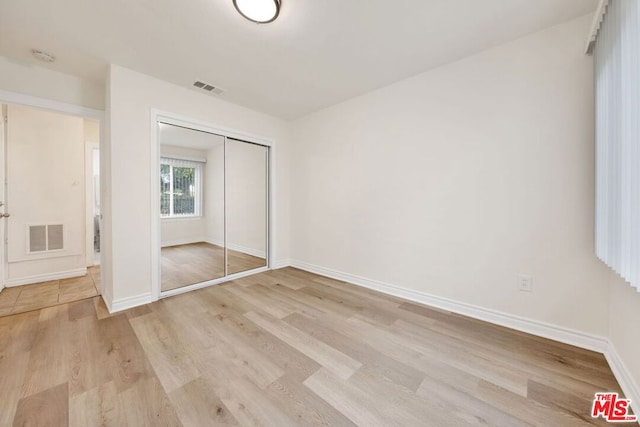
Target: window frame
{"type": "Point", "coordinates": [177, 162]}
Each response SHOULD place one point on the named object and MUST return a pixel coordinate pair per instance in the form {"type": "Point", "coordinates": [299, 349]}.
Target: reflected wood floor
{"type": "Point", "coordinates": [283, 348]}
{"type": "Point", "coordinates": [19, 299]}
{"type": "Point", "coordinates": [184, 265]}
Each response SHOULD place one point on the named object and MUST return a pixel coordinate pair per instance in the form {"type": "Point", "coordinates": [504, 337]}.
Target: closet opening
{"type": "Point", "coordinates": [211, 200]}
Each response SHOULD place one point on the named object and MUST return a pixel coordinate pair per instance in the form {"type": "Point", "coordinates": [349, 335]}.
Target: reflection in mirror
{"type": "Point", "coordinates": [191, 206]}
{"type": "Point", "coordinates": [246, 181]}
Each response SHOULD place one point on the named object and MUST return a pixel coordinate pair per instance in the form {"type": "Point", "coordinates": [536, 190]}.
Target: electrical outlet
{"type": "Point", "coordinates": [525, 283]}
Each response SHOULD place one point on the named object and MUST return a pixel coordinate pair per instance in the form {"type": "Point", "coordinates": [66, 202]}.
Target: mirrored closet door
{"type": "Point", "coordinates": [246, 206]}
{"type": "Point", "coordinates": [213, 207]}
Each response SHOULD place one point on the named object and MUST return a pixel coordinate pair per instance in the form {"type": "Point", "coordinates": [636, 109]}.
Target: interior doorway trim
{"type": "Point", "coordinates": [205, 126]}
{"type": "Point", "coordinates": [8, 97]}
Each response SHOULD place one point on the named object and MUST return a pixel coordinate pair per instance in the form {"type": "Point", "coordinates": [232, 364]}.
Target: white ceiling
{"type": "Point", "coordinates": [316, 54]}
{"type": "Point", "coordinates": [188, 138]}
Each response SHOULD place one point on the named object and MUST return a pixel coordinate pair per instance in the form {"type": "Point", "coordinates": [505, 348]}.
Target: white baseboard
{"type": "Point", "coordinates": [46, 277]}
{"type": "Point", "coordinates": [106, 297]}
{"type": "Point", "coordinates": [281, 263]}
{"type": "Point", "coordinates": [129, 302]}
{"type": "Point", "coordinates": [531, 326]}
{"type": "Point", "coordinates": [237, 248]}
{"type": "Point", "coordinates": [625, 379]}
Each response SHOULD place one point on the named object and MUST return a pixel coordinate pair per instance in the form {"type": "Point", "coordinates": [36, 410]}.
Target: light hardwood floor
{"type": "Point", "coordinates": [184, 265]}
{"type": "Point", "coordinates": [19, 299]}
{"type": "Point", "coordinates": [283, 348]}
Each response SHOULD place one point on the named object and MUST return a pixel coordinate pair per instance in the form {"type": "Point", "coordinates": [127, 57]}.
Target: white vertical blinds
{"type": "Point", "coordinates": [617, 87]}
{"type": "Point", "coordinates": [180, 187]}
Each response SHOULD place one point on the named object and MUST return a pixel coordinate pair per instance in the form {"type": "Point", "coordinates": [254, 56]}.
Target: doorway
{"type": "Point", "coordinates": [45, 208]}
{"type": "Point", "coordinates": [212, 208]}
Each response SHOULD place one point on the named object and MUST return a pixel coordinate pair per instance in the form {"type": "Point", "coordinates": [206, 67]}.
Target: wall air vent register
{"type": "Point", "coordinates": [45, 238]}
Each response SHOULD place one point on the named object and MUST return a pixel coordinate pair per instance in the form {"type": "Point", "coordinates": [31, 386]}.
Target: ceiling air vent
{"type": "Point", "coordinates": [207, 87]}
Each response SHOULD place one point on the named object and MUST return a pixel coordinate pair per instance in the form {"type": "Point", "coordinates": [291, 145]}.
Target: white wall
{"type": "Point", "coordinates": [179, 231]}
{"type": "Point", "coordinates": [624, 318]}
{"type": "Point", "coordinates": [46, 185]}
{"type": "Point", "coordinates": [453, 182]}
{"type": "Point", "coordinates": [106, 204]}
{"type": "Point", "coordinates": [132, 96]}
{"type": "Point", "coordinates": [44, 83]}
{"type": "Point", "coordinates": [246, 177]}
{"type": "Point", "coordinates": [91, 142]}
{"type": "Point", "coordinates": [214, 195]}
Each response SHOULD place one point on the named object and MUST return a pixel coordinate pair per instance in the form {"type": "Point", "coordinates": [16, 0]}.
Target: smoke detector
{"type": "Point", "coordinates": [42, 55]}
{"type": "Point", "coordinates": [208, 87]}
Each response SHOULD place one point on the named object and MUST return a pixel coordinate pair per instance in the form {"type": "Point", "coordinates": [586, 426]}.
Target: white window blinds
{"type": "Point", "coordinates": [180, 188]}
{"type": "Point", "coordinates": [617, 74]}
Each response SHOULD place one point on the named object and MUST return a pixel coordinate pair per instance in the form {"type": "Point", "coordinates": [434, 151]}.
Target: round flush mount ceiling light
{"type": "Point", "coordinates": [258, 11]}
{"type": "Point", "coordinates": [42, 56]}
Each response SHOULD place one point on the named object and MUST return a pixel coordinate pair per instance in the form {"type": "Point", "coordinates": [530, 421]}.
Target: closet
{"type": "Point", "coordinates": [212, 204]}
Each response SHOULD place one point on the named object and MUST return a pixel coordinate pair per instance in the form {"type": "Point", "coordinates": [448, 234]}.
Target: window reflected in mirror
{"type": "Point", "coordinates": [191, 206]}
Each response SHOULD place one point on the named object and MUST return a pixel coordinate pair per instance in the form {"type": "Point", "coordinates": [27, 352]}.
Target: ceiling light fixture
{"type": "Point", "coordinates": [42, 56]}
{"type": "Point", "coordinates": [258, 11]}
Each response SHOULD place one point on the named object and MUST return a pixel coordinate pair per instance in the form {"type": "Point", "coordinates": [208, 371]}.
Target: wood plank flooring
{"type": "Point", "coordinates": [184, 265]}
{"type": "Point", "coordinates": [283, 348]}
{"type": "Point", "coordinates": [20, 299]}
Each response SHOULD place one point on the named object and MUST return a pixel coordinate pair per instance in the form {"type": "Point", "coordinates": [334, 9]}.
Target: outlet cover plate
{"type": "Point", "coordinates": [525, 283]}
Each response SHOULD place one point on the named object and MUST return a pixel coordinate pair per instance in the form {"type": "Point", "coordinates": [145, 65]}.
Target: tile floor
{"type": "Point", "coordinates": [46, 294]}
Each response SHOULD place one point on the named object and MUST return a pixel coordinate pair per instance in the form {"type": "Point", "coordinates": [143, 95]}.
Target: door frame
{"type": "Point", "coordinates": [205, 126]}
{"type": "Point", "coordinates": [4, 263]}
{"type": "Point", "coordinates": [90, 198]}
{"type": "Point", "coordinates": [8, 97]}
